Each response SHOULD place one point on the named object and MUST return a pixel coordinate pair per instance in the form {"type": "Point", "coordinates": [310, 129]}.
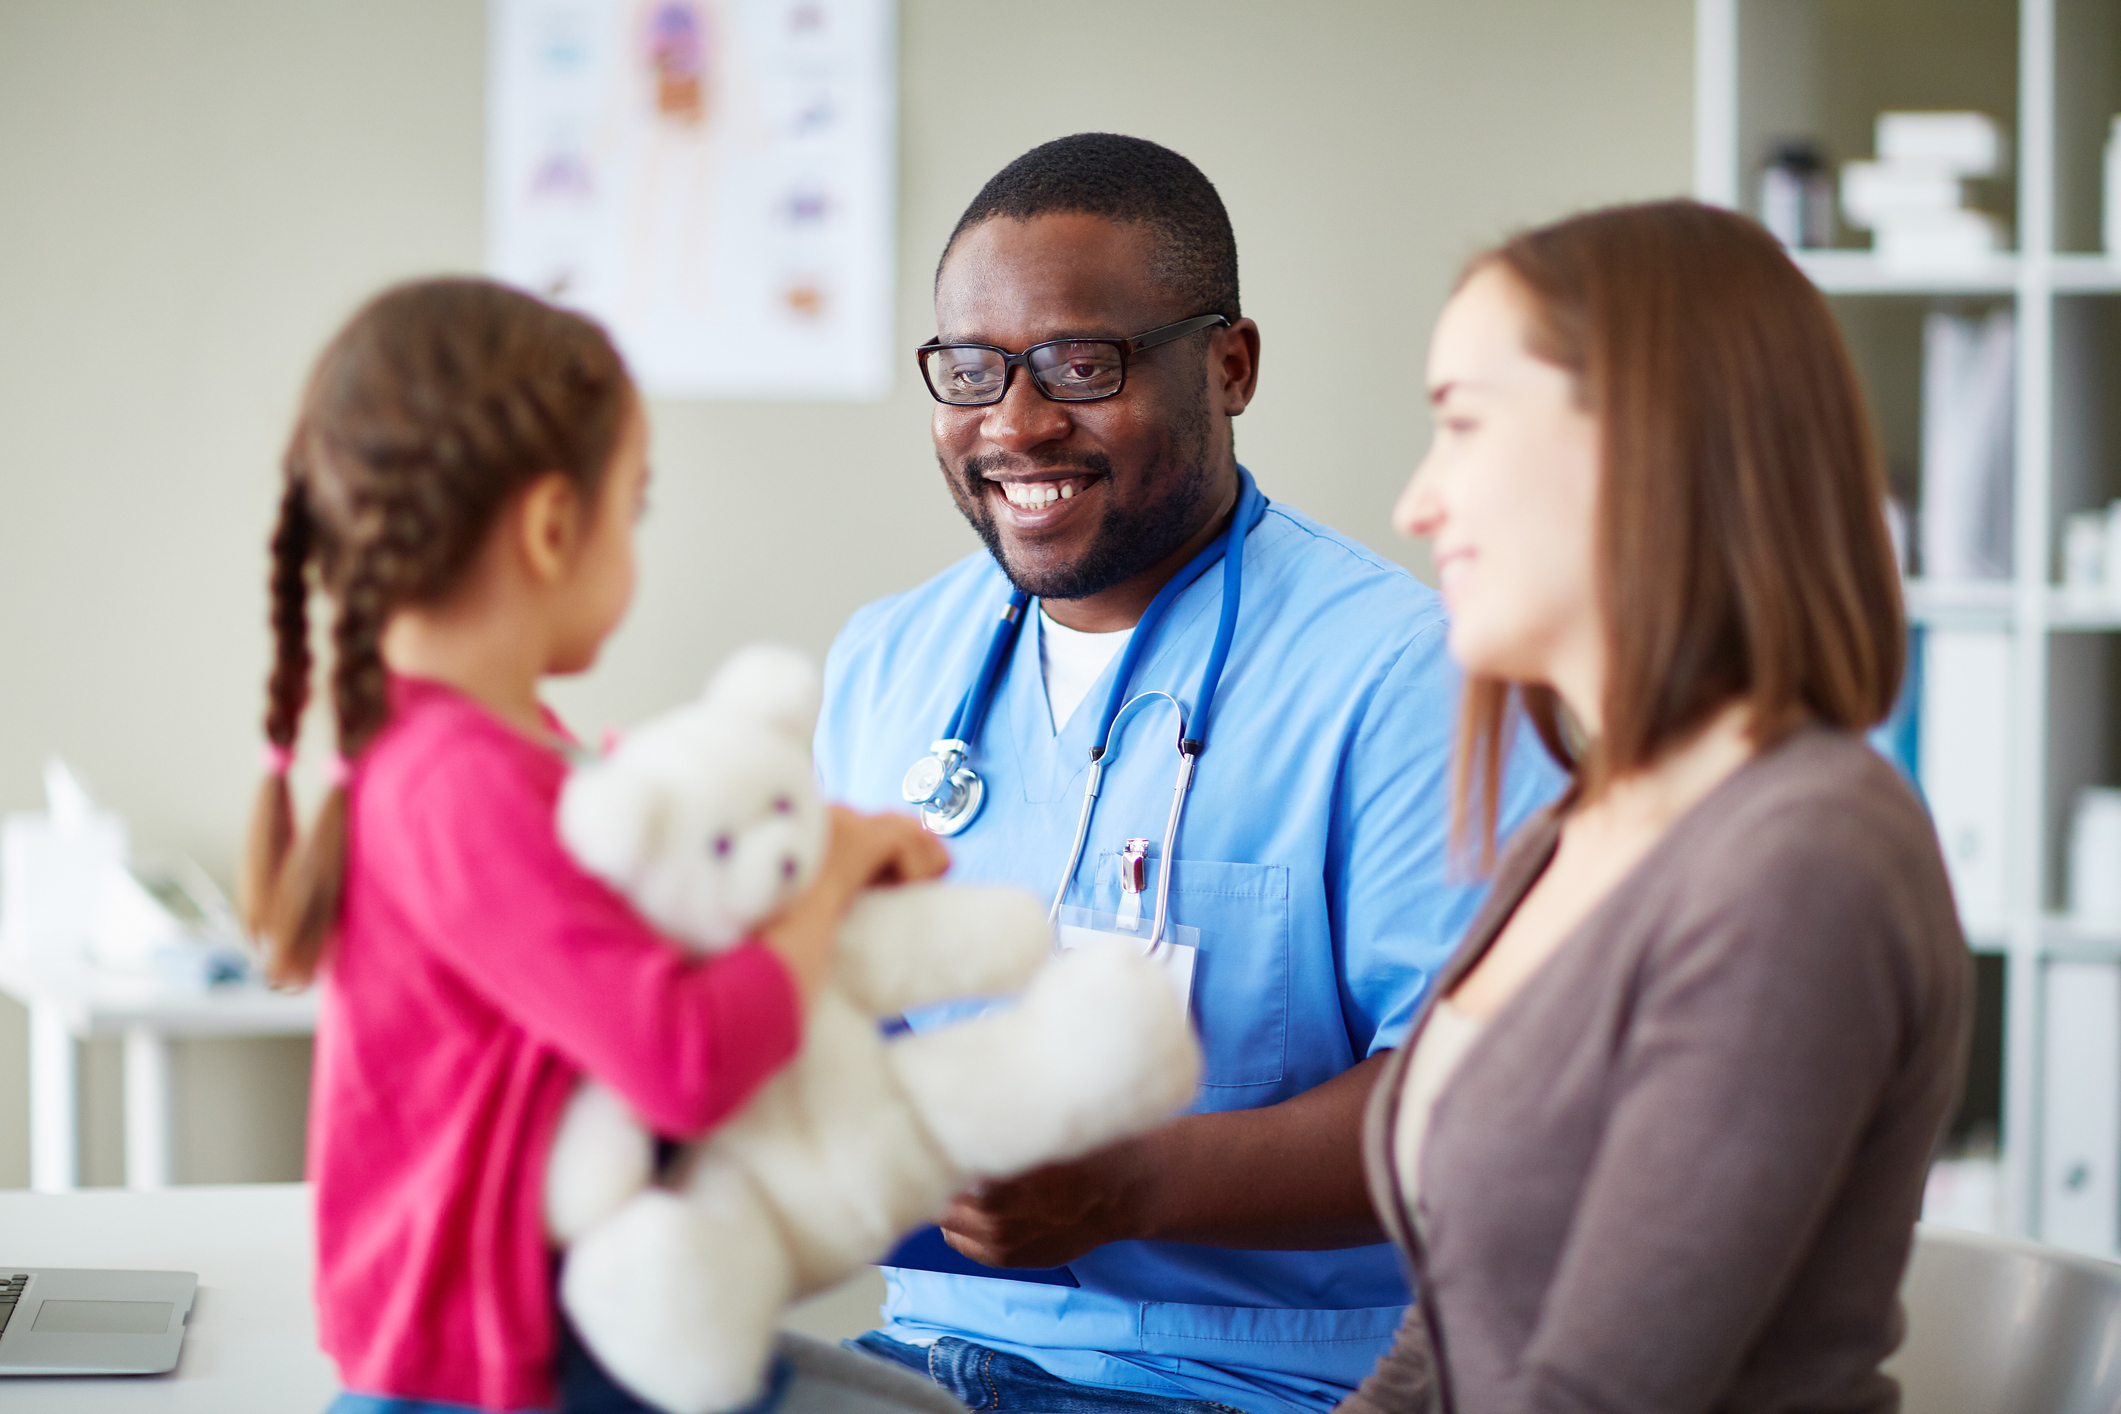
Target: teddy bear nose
{"type": "Point", "coordinates": [783, 806]}
{"type": "Point", "coordinates": [721, 846]}
{"type": "Point", "coordinates": [787, 866]}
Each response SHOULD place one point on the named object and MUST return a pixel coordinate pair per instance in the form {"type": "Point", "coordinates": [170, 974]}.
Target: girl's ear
{"type": "Point", "coordinates": [548, 523]}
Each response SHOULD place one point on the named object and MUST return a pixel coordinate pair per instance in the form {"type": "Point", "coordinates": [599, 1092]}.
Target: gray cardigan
{"type": "Point", "coordinates": [1680, 1169]}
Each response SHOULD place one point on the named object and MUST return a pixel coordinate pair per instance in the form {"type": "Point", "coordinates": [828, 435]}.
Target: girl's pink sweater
{"type": "Point", "coordinates": [477, 974]}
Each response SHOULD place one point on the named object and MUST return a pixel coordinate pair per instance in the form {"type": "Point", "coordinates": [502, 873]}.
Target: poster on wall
{"type": "Point", "coordinates": [711, 179]}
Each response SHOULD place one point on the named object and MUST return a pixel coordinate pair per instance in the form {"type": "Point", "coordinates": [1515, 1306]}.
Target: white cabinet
{"type": "Point", "coordinates": [2080, 1200]}
{"type": "Point", "coordinates": [2021, 705]}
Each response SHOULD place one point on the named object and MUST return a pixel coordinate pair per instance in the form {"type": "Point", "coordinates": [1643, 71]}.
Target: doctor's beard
{"type": "Point", "coordinates": [1125, 542]}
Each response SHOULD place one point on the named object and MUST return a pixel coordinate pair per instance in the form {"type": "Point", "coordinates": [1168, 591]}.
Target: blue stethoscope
{"type": "Point", "coordinates": [949, 792]}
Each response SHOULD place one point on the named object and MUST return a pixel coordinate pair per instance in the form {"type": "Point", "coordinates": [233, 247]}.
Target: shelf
{"type": "Point", "coordinates": [2064, 939]}
{"type": "Point", "coordinates": [2087, 274]}
{"type": "Point", "coordinates": [2083, 609]}
{"type": "Point", "coordinates": [1858, 272]}
{"type": "Point", "coordinates": [1992, 604]}
{"type": "Point", "coordinates": [1976, 604]}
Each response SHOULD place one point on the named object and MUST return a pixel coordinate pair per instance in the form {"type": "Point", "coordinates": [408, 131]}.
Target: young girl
{"type": "Point", "coordinates": [463, 481]}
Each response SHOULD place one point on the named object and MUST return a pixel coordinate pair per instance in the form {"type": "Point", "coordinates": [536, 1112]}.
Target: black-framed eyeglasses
{"type": "Point", "coordinates": [1064, 370]}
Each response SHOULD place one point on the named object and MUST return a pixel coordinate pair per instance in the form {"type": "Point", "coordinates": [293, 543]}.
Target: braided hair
{"type": "Point", "coordinates": [430, 410]}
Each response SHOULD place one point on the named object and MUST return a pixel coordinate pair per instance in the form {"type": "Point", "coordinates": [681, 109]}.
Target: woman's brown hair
{"type": "Point", "coordinates": [437, 403]}
{"type": "Point", "coordinates": [1741, 550]}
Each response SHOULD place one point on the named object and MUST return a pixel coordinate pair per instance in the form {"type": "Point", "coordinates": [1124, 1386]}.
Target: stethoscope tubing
{"type": "Point", "coordinates": [972, 712]}
{"type": "Point", "coordinates": [1227, 547]}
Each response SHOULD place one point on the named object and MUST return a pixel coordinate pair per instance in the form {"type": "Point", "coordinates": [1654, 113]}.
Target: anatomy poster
{"type": "Point", "coordinates": [712, 179]}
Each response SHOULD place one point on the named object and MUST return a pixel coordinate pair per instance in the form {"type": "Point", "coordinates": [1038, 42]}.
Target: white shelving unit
{"type": "Point", "coordinates": [1768, 64]}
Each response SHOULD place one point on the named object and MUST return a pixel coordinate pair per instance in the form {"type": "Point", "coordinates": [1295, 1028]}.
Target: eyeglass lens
{"type": "Point", "coordinates": [1070, 371]}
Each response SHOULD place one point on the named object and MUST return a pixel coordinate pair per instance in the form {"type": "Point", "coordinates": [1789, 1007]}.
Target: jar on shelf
{"type": "Point", "coordinates": [1797, 195]}
{"type": "Point", "coordinates": [2112, 212]}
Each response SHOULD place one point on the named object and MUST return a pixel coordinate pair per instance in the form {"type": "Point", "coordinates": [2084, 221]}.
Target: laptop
{"type": "Point", "coordinates": [64, 1321]}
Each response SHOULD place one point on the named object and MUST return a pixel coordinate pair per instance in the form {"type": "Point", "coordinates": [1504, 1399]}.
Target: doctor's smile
{"type": "Point", "coordinates": [1039, 495]}
{"type": "Point", "coordinates": [1035, 499]}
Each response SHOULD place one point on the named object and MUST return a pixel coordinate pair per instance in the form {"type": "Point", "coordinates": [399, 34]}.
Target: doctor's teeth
{"type": "Point", "coordinates": [1037, 494]}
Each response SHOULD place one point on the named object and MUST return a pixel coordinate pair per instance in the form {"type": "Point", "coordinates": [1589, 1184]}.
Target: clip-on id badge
{"type": "Point", "coordinates": [1128, 927]}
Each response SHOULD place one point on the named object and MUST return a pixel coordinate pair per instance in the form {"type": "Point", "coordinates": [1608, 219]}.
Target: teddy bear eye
{"type": "Point", "coordinates": [721, 846]}
{"type": "Point", "coordinates": [788, 866]}
{"type": "Point", "coordinates": [783, 805]}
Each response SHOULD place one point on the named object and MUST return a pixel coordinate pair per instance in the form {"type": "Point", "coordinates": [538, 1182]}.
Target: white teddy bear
{"type": "Point", "coordinates": [708, 819]}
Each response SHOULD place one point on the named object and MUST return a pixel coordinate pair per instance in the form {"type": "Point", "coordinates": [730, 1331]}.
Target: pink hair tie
{"type": "Point", "coordinates": [337, 772]}
{"type": "Point", "coordinates": [277, 758]}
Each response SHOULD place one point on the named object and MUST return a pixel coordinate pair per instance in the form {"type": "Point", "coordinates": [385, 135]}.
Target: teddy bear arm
{"type": "Point", "coordinates": [600, 1157]}
{"type": "Point", "coordinates": [1095, 1050]}
{"type": "Point", "coordinates": [917, 944]}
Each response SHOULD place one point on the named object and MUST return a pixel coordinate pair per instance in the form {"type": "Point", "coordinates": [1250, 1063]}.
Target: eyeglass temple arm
{"type": "Point", "coordinates": [1171, 332]}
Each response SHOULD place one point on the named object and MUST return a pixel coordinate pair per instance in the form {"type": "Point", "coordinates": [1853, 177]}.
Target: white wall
{"type": "Point", "coordinates": [193, 194]}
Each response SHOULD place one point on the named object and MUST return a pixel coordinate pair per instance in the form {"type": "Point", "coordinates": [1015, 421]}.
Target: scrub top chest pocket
{"type": "Point", "coordinates": [1239, 914]}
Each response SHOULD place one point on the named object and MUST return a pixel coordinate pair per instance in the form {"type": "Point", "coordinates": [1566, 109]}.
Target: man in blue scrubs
{"type": "Point", "coordinates": [1228, 1259]}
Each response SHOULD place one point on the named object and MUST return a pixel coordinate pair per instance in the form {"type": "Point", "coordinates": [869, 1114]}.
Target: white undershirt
{"type": "Point", "coordinates": [1070, 661]}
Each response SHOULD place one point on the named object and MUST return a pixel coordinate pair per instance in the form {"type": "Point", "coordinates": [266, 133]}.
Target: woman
{"type": "Point", "coordinates": [1712, 1018]}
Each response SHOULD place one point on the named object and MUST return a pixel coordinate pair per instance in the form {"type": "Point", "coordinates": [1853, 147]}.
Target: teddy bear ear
{"type": "Point", "coordinates": [611, 818]}
{"type": "Point", "coordinates": [770, 683]}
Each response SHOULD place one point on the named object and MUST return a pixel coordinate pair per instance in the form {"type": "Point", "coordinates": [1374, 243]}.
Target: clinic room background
{"type": "Point", "coordinates": [192, 196]}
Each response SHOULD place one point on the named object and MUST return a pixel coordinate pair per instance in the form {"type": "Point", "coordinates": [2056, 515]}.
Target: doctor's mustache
{"type": "Point", "coordinates": [979, 467]}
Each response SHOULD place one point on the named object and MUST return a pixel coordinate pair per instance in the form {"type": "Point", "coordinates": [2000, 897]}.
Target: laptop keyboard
{"type": "Point", "coordinates": [11, 1289]}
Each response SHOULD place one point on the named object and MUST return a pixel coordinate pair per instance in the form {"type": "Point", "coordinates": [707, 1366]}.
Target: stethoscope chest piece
{"type": "Point", "coordinates": [948, 792]}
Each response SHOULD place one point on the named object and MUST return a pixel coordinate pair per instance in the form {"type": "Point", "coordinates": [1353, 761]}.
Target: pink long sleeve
{"type": "Point", "coordinates": [478, 972]}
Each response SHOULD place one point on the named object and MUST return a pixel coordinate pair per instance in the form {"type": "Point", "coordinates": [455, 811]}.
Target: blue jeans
{"type": "Point", "coordinates": [584, 1389]}
{"type": "Point", "coordinates": [808, 1377]}
{"type": "Point", "coordinates": [984, 1379]}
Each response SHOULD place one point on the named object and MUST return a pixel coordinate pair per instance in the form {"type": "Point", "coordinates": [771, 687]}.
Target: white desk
{"type": "Point", "coordinates": [252, 1341]}
{"type": "Point", "coordinates": [69, 1001]}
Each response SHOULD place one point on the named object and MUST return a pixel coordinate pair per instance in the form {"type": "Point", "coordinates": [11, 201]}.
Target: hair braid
{"type": "Point", "coordinates": [359, 686]}
{"type": "Point", "coordinates": [287, 690]}
{"type": "Point", "coordinates": [424, 416]}
{"type": "Point", "coordinates": [272, 828]}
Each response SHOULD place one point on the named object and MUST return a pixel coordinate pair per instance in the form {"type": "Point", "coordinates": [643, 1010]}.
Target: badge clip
{"type": "Point", "coordinates": [1133, 882]}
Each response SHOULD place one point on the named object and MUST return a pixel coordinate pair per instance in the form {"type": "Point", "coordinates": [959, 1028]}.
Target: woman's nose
{"type": "Point", "coordinates": [1419, 511]}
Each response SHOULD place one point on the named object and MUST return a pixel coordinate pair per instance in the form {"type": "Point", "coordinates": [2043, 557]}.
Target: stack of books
{"type": "Point", "coordinates": [1912, 198]}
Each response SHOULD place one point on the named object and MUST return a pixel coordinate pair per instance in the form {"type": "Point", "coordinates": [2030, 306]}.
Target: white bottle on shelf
{"type": "Point", "coordinates": [2094, 882]}
{"type": "Point", "coordinates": [2113, 190]}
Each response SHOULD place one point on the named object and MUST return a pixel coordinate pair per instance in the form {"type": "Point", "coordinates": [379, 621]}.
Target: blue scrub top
{"type": "Point", "coordinates": [1313, 858]}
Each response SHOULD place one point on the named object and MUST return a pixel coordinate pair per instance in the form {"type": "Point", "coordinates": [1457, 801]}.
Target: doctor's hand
{"type": "Point", "coordinates": [864, 851]}
{"type": "Point", "coordinates": [1045, 1218]}
{"type": "Point", "coordinates": [1284, 1177]}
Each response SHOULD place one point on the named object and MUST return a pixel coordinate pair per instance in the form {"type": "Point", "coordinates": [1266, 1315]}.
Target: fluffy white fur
{"type": "Point", "coordinates": [708, 819]}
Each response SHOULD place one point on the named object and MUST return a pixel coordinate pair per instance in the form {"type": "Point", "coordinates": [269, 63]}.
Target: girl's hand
{"type": "Point", "coordinates": [865, 850]}
{"type": "Point", "coordinates": [880, 849]}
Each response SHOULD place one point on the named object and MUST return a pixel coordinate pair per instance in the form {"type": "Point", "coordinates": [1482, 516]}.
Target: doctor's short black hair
{"type": "Point", "coordinates": [1127, 180]}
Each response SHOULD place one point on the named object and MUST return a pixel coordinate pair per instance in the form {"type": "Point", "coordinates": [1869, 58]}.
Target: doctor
{"type": "Point", "coordinates": [1090, 356]}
